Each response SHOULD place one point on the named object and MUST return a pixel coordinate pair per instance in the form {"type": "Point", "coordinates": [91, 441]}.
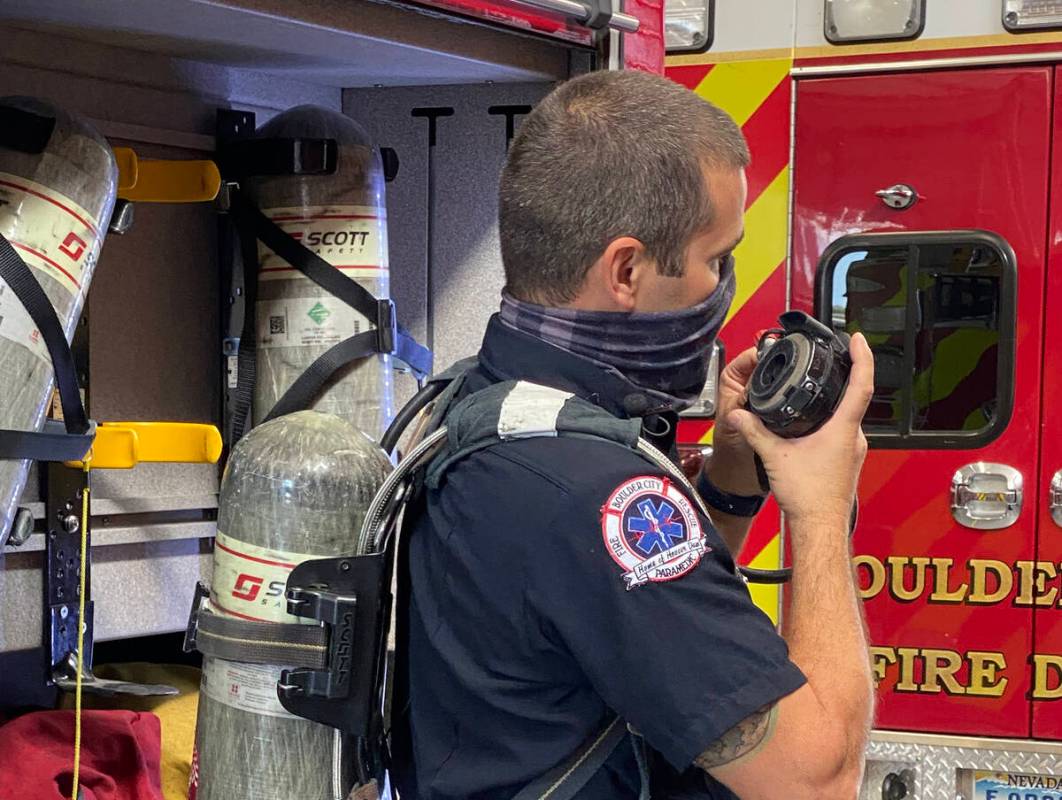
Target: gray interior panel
{"type": "Point", "coordinates": [464, 270]}
{"type": "Point", "coordinates": [138, 588]}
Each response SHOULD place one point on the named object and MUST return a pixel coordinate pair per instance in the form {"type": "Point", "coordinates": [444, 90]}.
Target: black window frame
{"type": "Point", "coordinates": [1006, 363]}
{"type": "Point", "coordinates": [833, 39]}
{"type": "Point", "coordinates": [709, 35]}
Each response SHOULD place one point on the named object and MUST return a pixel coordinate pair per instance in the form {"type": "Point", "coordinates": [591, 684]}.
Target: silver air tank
{"type": "Point", "coordinates": [55, 206]}
{"type": "Point", "coordinates": [342, 218]}
{"type": "Point", "coordinates": [295, 488]}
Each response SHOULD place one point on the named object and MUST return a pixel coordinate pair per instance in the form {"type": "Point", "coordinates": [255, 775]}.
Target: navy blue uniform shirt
{"type": "Point", "coordinates": [555, 582]}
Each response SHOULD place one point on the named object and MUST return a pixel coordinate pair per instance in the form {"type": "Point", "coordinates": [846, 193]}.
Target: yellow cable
{"type": "Point", "coordinates": [80, 632]}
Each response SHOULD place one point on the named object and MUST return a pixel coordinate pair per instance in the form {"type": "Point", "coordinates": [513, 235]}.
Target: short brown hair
{"type": "Point", "coordinates": [605, 155]}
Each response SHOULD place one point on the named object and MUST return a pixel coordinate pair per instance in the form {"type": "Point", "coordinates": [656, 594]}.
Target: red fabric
{"type": "Point", "coordinates": [119, 756]}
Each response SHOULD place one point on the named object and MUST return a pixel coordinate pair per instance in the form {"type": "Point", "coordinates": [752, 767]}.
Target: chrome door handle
{"type": "Point", "coordinates": [1056, 498]}
{"type": "Point", "coordinates": [986, 496]}
{"type": "Point", "coordinates": [583, 13]}
{"type": "Point", "coordinates": [898, 196]}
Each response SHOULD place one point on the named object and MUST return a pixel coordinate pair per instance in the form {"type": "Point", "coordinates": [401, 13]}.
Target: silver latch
{"type": "Point", "coordinates": [1056, 498]}
{"type": "Point", "coordinates": [986, 496]}
{"type": "Point", "coordinates": [898, 196]}
{"type": "Point", "coordinates": [706, 404]}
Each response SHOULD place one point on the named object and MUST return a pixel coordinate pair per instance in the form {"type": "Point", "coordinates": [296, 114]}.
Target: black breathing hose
{"type": "Point", "coordinates": [407, 414]}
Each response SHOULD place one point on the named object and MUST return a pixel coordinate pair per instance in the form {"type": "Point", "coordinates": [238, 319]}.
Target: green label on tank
{"type": "Point", "coordinates": [319, 313]}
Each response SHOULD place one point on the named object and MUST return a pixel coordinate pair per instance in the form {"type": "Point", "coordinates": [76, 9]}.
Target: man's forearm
{"type": "Point", "coordinates": [824, 627]}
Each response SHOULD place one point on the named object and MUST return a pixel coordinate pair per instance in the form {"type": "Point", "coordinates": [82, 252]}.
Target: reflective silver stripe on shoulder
{"type": "Point", "coordinates": [530, 410]}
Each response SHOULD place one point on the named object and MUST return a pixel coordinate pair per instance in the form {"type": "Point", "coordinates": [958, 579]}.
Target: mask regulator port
{"type": "Point", "coordinates": [801, 375]}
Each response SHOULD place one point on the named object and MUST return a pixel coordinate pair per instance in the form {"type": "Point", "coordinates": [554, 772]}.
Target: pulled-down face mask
{"type": "Point", "coordinates": [665, 353]}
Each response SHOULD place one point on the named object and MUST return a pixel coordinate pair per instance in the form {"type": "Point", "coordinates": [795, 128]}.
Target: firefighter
{"type": "Point", "coordinates": [559, 585]}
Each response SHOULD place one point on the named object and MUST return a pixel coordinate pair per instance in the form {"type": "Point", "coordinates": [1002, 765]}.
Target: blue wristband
{"type": "Point", "coordinates": [733, 504]}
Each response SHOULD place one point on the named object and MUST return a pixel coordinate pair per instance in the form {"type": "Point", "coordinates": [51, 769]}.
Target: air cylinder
{"type": "Point", "coordinates": [295, 488]}
{"type": "Point", "coordinates": [342, 218]}
{"type": "Point", "coordinates": [55, 205]}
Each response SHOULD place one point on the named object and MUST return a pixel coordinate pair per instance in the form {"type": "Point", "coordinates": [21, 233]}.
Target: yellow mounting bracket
{"type": "Point", "coordinates": [165, 181]}
{"type": "Point", "coordinates": [123, 445]}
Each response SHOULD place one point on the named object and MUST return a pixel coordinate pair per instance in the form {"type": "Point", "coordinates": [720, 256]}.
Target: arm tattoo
{"type": "Point", "coordinates": [739, 741]}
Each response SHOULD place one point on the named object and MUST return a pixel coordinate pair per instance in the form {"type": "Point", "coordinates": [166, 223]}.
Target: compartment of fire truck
{"type": "Point", "coordinates": [385, 172]}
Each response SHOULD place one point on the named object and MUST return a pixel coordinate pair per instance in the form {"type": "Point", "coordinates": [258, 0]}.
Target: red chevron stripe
{"type": "Point", "coordinates": [690, 76]}
{"type": "Point", "coordinates": [691, 431]}
{"type": "Point", "coordinates": [766, 131]}
{"type": "Point", "coordinates": [768, 138]}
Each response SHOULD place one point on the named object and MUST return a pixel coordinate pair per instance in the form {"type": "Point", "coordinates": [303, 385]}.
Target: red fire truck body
{"type": "Point", "coordinates": [910, 189]}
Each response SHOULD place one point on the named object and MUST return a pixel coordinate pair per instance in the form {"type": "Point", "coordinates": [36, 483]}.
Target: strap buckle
{"type": "Point", "coordinates": [192, 628]}
{"type": "Point", "coordinates": [386, 327]}
{"type": "Point", "coordinates": [280, 156]}
{"type": "Point", "coordinates": [352, 598]}
{"type": "Point", "coordinates": [337, 612]}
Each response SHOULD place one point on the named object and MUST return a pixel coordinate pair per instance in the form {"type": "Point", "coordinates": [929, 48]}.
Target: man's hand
{"type": "Point", "coordinates": [814, 477]}
{"type": "Point", "coordinates": [731, 466]}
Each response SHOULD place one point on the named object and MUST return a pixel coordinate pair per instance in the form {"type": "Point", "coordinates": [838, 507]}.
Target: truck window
{"type": "Point", "coordinates": [938, 311]}
{"type": "Point", "coordinates": [689, 25]}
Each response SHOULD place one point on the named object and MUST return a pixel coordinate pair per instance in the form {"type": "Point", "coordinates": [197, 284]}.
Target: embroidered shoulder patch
{"type": "Point", "coordinates": [652, 531]}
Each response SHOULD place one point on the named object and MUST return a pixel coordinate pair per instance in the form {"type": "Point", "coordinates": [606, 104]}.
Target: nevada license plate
{"type": "Point", "coordinates": [1016, 786]}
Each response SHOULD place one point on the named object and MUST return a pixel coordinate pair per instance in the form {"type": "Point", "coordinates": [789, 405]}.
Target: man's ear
{"type": "Point", "coordinates": [620, 270]}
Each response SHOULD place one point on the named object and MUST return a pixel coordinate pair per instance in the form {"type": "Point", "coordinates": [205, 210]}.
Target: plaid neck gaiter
{"type": "Point", "coordinates": [664, 353]}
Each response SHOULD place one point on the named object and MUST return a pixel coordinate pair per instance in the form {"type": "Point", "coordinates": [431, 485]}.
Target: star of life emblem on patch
{"type": "Point", "coordinates": [651, 530]}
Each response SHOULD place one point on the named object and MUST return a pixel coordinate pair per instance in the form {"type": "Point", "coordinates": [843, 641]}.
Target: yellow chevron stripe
{"type": "Point", "coordinates": [765, 240]}
{"type": "Point", "coordinates": [768, 597]}
{"type": "Point", "coordinates": [740, 88]}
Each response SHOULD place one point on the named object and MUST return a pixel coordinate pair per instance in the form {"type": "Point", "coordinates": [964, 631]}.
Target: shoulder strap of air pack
{"type": "Point", "coordinates": [514, 410]}
{"type": "Point", "coordinates": [70, 439]}
{"type": "Point", "coordinates": [386, 337]}
{"type": "Point", "coordinates": [520, 410]}
{"type": "Point", "coordinates": [564, 781]}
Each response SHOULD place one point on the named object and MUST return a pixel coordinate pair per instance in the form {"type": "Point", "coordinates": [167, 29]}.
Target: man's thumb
{"type": "Point", "coordinates": [751, 428]}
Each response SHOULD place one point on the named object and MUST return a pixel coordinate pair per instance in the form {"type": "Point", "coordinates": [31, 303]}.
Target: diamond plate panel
{"type": "Point", "coordinates": [941, 771]}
